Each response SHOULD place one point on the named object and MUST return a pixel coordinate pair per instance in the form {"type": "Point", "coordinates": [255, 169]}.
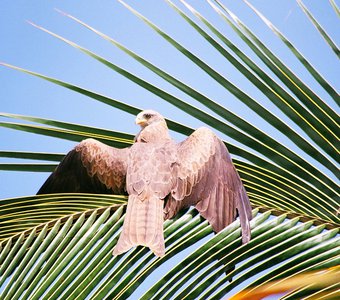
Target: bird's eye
{"type": "Point", "coordinates": [147, 116]}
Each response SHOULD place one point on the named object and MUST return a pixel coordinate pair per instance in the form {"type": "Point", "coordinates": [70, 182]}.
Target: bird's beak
{"type": "Point", "coordinates": [140, 121]}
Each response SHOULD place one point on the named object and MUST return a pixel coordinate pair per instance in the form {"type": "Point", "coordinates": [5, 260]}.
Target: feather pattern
{"type": "Point", "coordinates": [213, 184]}
{"type": "Point", "coordinates": [160, 177]}
{"type": "Point", "coordinates": [107, 163]}
{"type": "Point", "coordinates": [148, 182]}
{"type": "Point", "coordinates": [143, 225]}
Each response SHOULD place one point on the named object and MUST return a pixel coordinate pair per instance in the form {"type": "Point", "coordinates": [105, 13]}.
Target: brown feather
{"type": "Point", "coordinates": [207, 179]}
{"type": "Point", "coordinates": [91, 167]}
{"type": "Point", "coordinates": [143, 225]}
{"type": "Point", "coordinates": [197, 171]}
{"type": "Point", "coordinates": [148, 182]}
{"type": "Point", "coordinates": [106, 163]}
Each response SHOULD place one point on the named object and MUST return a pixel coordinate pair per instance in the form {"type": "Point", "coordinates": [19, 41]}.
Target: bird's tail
{"type": "Point", "coordinates": [143, 225]}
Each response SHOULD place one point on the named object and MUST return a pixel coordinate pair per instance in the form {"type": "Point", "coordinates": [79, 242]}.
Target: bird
{"type": "Point", "coordinates": [160, 177]}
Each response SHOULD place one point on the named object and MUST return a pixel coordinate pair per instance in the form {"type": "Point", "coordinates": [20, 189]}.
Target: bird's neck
{"type": "Point", "coordinates": [153, 133]}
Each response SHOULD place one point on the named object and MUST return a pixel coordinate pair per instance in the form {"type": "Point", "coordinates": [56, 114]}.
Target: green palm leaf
{"type": "Point", "coordinates": [60, 245]}
{"type": "Point", "coordinates": [323, 33]}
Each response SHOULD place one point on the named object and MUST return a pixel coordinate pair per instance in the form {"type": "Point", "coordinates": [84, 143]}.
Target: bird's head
{"type": "Point", "coordinates": [147, 117]}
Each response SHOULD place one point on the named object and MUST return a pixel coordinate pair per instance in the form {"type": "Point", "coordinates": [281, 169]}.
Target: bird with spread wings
{"type": "Point", "coordinates": [161, 177]}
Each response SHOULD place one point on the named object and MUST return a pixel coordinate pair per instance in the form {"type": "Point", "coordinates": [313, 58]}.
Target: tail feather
{"type": "Point", "coordinates": [143, 225]}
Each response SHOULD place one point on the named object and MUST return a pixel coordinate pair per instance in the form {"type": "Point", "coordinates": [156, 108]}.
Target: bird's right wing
{"type": "Point", "coordinates": [206, 178]}
{"type": "Point", "coordinates": [91, 167]}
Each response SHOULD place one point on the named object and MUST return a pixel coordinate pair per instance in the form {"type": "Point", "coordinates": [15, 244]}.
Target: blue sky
{"type": "Point", "coordinates": [25, 46]}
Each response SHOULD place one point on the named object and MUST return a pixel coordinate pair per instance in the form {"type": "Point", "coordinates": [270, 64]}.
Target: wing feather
{"type": "Point", "coordinates": [207, 179]}
{"type": "Point", "coordinates": [91, 167]}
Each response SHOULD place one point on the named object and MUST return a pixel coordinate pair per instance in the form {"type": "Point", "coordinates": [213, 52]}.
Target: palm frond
{"type": "Point", "coordinates": [323, 33]}
{"type": "Point", "coordinates": [60, 245]}
{"type": "Point", "coordinates": [79, 247]}
{"type": "Point", "coordinates": [23, 213]}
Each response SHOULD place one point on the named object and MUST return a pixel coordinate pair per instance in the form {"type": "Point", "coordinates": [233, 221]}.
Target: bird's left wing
{"type": "Point", "coordinates": [206, 178]}
{"type": "Point", "coordinates": [91, 167]}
